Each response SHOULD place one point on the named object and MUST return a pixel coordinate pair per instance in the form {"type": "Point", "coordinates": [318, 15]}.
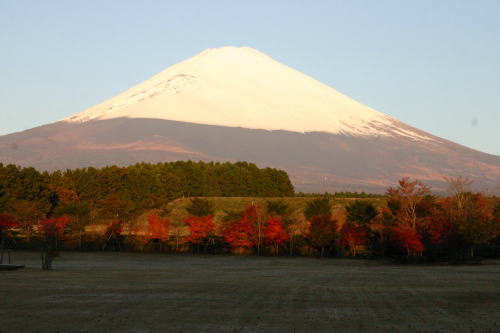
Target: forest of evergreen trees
{"type": "Point", "coordinates": [144, 185]}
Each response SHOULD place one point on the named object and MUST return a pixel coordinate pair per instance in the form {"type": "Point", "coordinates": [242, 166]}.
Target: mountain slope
{"type": "Point", "coordinates": [239, 104]}
{"type": "Point", "coordinates": [316, 161]}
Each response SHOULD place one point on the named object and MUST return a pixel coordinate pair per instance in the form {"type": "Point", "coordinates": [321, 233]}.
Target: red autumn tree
{"type": "Point", "coordinates": [158, 227]}
{"type": "Point", "coordinates": [51, 234]}
{"type": "Point", "coordinates": [275, 234]}
{"type": "Point", "coordinates": [200, 228]}
{"type": "Point", "coordinates": [248, 230]}
{"type": "Point", "coordinates": [238, 234]}
{"type": "Point", "coordinates": [436, 226]}
{"type": "Point", "coordinates": [407, 240]}
{"type": "Point", "coordinates": [353, 237]}
{"type": "Point", "coordinates": [158, 230]}
{"type": "Point", "coordinates": [6, 226]}
{"type": "Point", "coordinates": [283, 210]}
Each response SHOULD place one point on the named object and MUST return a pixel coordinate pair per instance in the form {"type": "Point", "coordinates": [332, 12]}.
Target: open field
{"type": "Point", "coordinates": [122, 292]}
{"type": "Point", "coordinates": [296, 204]}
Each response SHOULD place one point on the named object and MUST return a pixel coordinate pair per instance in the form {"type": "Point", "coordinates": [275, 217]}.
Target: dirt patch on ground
{"type": "Point", "coordinates": [122, 292]}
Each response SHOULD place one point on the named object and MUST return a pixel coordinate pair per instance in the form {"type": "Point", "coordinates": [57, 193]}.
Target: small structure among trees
{"type": "Point", "coordinates": [113, 235]}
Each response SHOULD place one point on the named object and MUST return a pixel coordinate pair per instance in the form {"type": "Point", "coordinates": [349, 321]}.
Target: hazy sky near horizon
{"type": "Point", "coordinates": [432, 64]}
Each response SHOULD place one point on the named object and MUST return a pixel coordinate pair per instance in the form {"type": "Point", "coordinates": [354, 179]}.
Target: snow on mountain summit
{"type": "Point", "coordinates": [242, 87]}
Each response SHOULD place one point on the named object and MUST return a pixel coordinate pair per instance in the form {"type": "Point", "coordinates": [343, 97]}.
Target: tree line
{"type": "Point", "coordinates": [412, 224]}
{"type": "Point", "coordinates": [90, 195]}
{"type": "Point", "coordinates": [125, 192]}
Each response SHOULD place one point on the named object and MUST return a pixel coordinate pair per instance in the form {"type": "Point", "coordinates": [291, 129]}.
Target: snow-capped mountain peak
{"type": "Point", "coordinates": [242, 87]}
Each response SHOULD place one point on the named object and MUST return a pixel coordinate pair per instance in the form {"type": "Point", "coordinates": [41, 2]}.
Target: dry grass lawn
{"type": "Point", "coordinates": [123, 292]}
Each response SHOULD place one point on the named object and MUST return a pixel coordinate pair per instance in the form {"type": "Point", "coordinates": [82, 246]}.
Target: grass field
{"type": "Point", "coordinates": [122, 292]}
{"type": "Point", "coordinates": [296, 204]}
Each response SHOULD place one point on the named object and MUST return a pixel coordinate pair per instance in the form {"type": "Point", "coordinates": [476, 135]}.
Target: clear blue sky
{"type": "Point", "coordinates": [432, 64]}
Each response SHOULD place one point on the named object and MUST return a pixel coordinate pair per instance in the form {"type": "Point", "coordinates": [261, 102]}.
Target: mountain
{"type": "Point", "coordinates": [229, 104]}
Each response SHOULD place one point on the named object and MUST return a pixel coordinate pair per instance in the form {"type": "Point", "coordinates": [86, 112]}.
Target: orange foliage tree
{"type": "Point", "coordinates": [281, 209]}
{"type": "Point", "coordinates": [51, 233]}
{"type": "Point", "coordinates": [238, 234]}
{"type": "Point", "coordinates": [275, 234]}
{"type": "Point", "coordinates": [158, 230]}
{"type": "Point", "coordinates": [200, 229]}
